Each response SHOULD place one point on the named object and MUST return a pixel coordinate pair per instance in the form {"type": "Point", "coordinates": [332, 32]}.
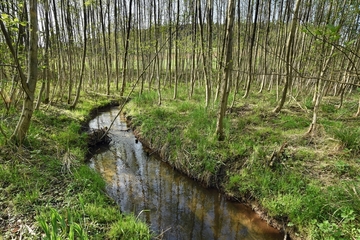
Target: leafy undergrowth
{"type": "Point", "coordinates": [308, 182]}
{"type": "Point", "coordinates": [46, 189]}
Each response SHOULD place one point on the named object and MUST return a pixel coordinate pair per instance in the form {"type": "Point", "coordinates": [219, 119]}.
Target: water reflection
{"type": "Point", "coordinates": [172, 203]}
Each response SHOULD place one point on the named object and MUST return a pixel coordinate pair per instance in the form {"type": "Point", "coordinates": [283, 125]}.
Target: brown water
{"type": "Point", "coordinates": [168, 201]}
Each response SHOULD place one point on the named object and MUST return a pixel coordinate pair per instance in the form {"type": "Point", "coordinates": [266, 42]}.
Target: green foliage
{"type": "Point", "coordinates": [128, 227]}
{"type": "Point", "coordinates": [185, 107]}
{"type": "Point", "coordinates": [308, 103]}
{"type": "Point", "coordinates": [288, 122]}
{"type": "Point", "coordinates": [101, 214]}
{"type": "Point", "coordinates": [234, 182]}
{"type": "Point", "coordinates": [148, 97]}
{"type": "Point", "coordinates": [67, 202]}
{"type": "Point", "coordinates": [328, 108]}
{"type": "Point", "coordinates": [349, 137]}
{"type": "Point", "coordinates": [266, 136]}
{"type": "Point", "coordinates": [58, 226]}
{"type": "Point", "coordinates": [291, 189]}
{"type": "Point", "coordinates": [343, 228]}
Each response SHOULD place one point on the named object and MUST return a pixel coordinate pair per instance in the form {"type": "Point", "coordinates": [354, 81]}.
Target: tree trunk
{"type": "Point", "coordinates": [106, 52]}
{"type": "Point", "coordinates": [82, 62]}
{"type": "Point", "coordinates": [228, 41]}
{"type": "Point", "coordinates": [28, 105]}
{"type": "Point", "coordinates": [176, 51]}
{"type": "Point", "coordinates": [126, 53]}
{"type": "Point", "coordinates": [357, 114]}
{"type": "Point", "coordinates": [250, 76]}
{"type": "Point", "coordinates": [204, 58]}
{"type": "Point", "coordinates": [319, 92]}
{"type": "Point", "coordinates": [289, 53]}
{"type": "Point", "coordinates": [193, 48]}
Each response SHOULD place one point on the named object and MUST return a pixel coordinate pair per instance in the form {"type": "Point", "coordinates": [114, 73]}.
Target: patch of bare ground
{"type": "Point", "coordinates": [317, 155]}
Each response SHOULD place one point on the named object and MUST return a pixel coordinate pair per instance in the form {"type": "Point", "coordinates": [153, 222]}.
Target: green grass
{"type": "Point", "coordinates": [313, 187]}
{"type": "Point", "coordinates": [47, 186]}
{"type": "Point", "coordinates": [349, 137]}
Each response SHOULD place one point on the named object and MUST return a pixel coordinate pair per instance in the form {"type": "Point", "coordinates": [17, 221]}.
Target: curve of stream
{"type": "Point", "coordinates": [171, 203]}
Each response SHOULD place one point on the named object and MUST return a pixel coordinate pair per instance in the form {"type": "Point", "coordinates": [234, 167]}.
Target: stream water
{"type": "Point", "coordinates": [171, 203]}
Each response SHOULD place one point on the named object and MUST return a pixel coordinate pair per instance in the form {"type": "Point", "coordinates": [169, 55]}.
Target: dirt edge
{"type": "Point", "coordinates": [290, 232]}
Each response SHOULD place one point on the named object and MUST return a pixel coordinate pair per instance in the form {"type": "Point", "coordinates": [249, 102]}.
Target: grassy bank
{"type": "Point", "coordinates": [46, 189]}
{"type": "Point", "coordinates": [310, 184]}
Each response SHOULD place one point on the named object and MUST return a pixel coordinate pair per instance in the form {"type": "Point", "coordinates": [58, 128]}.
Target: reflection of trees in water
{"type": "Point", "coordinates": [105, 164]}
{"type": "Point", "coordinates": [138, 182]}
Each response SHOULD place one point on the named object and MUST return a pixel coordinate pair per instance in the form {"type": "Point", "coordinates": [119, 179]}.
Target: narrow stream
{"type": "Point", "coordinates": [168, 201]}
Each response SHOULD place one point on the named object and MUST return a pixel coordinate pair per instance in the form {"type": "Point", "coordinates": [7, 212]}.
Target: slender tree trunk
{"type": "Point", "coordinates": [266, 42]}
{"type": "Point", "coordinates": [126, 53]}
{"type": "Point", "coordinates": [204, 57]}
{"type": "Point", "coordinates": [116, 42]}
{"type": "Point", "coordinates": [176, 50]}
{"type": "Point", "coordinates": [46, 54]}
{"type": "Point", "coordinates": [28, 104]}
{"type": "Point", "coordinates": [106, 52]}
{"type": "Point", "coordinates": [320, 92]}
{"type": "Point", "coordinates": [289, 53]}
{"type": "Point", "coordinates": [69, 27]}
{"type": "Point", "coordinates": [209, 17]}
{"type": "Point", "coordinates": [252, 43]}
{"type": "Point", "coordinates": [82, 62]}
{"type": "Point", "coordinates": [226, 70]}
{"type": "Point", "coordinates": [357, 114]}
{"type": "Point", "coordinates": [193, 48]}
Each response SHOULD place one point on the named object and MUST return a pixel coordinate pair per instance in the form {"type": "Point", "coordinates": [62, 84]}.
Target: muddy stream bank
{"type": "Point", "coordinates": [172, 204]}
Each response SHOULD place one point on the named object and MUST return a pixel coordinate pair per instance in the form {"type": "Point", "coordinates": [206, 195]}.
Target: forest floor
{"type": "Point", "coordinates": [47, 190]}
{"type": "Point", "coordinates": [307, 185]}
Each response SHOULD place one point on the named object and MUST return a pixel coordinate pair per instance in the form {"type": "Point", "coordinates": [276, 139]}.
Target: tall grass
{"type": "Point", "coordinates": [57, 202]}
{"type": "Point", "coordinates": [349, 137]}
{"type": "Point", "coordinates": [292, 190]}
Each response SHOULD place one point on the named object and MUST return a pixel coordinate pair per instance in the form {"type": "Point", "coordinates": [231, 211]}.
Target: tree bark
{"type": "Point", "coordinates": [289, 53]}
{"type": "Point", "coordinates": [126, 53]}
{"type": "Point", "coordinates": [250, 76]}
{"type": "Point", "coordinates": [73, 105]}
{"type": "Point", "coordinates": [23, 125]}
{"type": "Point", "coordinates": [228, 42]}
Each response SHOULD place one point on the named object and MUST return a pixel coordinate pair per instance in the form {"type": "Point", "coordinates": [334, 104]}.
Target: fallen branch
{"type": "Point", "coordinates": [99, 137]}
{"type": "Point", "coordinates": [277, 156]}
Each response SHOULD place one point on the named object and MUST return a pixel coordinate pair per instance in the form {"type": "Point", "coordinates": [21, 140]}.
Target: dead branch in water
{"type": "Point", "coordinates": [99, 137]}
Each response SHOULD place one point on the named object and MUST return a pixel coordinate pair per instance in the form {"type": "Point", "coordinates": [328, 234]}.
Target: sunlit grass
{"type": "Point", "coordinates": [302, 188]}
{"type": "Point", "coordinates": [56, 201]}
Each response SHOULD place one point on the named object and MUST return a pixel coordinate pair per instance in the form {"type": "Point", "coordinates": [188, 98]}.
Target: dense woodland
{"type": "Point", "coordinates": [299, 48]}
{"type": "Point", "coordinates": [291, 52]}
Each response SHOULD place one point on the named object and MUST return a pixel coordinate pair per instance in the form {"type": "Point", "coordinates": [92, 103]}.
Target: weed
{"type": "Point", "coordinates": [234, 182]}
{"type": "Point", "coordinates": [58, 226]}
{"type": "Point", "coordinates": [293, 122]}
{"type": "Point", "coordinates": [328, 108]}
{"type": "Point", "coordinates": [349, 137]}
{"type": "Point", "coordinates": [130, 228]}
{"type": "Point", "coordinates": [148, 97]}
{"type": "Point", "coordinates": [308, 103]}
{"type": "Point", "coordinates": [297, 189]}
{"type": "Point", "coordinates": [185, 107]}
{"type": "Point", "coordinates": [32, 182]}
